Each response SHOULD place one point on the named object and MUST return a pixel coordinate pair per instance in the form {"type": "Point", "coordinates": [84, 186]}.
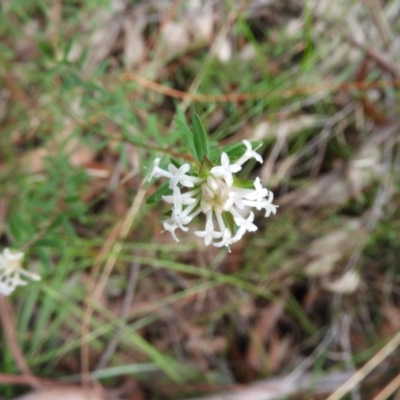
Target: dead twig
{"type": "Point", "coordinates": [360, 375]}
{"type": "Point", "coordinates": [234, 97]}
{"type": "Point", "coordinates": [7, 321]}
{"type": "Point", "coordinates": [29, 380]}
{"type": "Point", "coordinates": [388, 390]}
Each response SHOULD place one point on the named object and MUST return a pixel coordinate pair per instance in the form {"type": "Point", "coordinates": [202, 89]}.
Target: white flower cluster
{"type": "Point", "coordinates": [214, 195]}
{"type": "Point", "coordinates": [11, 272]}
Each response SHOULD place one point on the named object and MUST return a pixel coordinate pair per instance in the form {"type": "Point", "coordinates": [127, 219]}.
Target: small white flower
{"type": "Point", "coordinates": [234, 198]}
{"type": "Point", "coordinates": [269, 207]}
{"type": "Point", "coordinates": [209, 234]}
{"type": "Point", "coordinates": [245, 225]}
{"type": "Point", "coordinates": [176, 221]}
{"type": "Point", "coordinates": [226, 169]}
{"type": "Point", "coordinates": [258, 195]}
{"type": "Point", "coordinates": [180, 218]}
{"type": "Point", "coordinates": [248, 154]}
{"type": "Point", "coordinates": [257, 198]}
{"type": "Point", "coordinates": [178, 175]}
{"type": "Point", "coordinates": [156, 172]}
{"type": "Point", "coordinates": [179, 199]}
{"type": "Point", "coordinates": [226, 240]}
{"type": "Point", "coordinates": [11, 272]}
{"type": "Point", "coordinates": [260, 191]}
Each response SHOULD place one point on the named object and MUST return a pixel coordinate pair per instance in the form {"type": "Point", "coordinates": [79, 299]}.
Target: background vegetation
{"type": "Point", "coordinates": [88, 94]}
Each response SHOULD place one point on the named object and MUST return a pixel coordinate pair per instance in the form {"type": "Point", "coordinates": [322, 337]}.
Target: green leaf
{"type": "Point", "coordinates": [205, 167]}
{"type": "Point", "coordinates": [175, 163]}
{"type": "Point", "coordinates": [20, 228]}
{"type": "Point", "coordinates": [157, 195]}
{"type": "Point", "coordinates": [186, 133]}
{"type": "Point", "coordinates": [46, 48]}
{"type": "Point", "coordinates": [243, 183]}
{"type": "Point", "coordinates": [44, 258]}
{"type": "Point", "coordinates": [50, 242]}
{"type": "Point", "coordinates": [71, 80]}
{"type": "Point", "coordinates": [131, 138]}
{"type": "Point", "coordinates": [200, 138]}
{"type": "Point", "coordinates": [215, 155]}
{"type": "Point", "coordinates": [229, 221]}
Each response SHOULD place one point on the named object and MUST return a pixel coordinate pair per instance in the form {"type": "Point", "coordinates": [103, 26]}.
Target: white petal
{"type": "Point", "coordinates": [218, 171]}
{"type": "Point", "coordinates": [225, 160]}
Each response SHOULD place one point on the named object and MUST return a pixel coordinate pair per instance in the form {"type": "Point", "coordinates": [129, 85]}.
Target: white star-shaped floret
{"type": "Point", "coordinates": [176, 221]}
{"type": "Point", "coordinates": [209, 234]}
{"type": "Point", "coordinates": [178, 175]}
{"type": "Point", "coordinates": [269, 207]}
{"type": "Point", "coordinates": [226, 240]}
{"type": "Point", "coordinates": [258, 195]}
{"type": "Point", "coordinates": [157, 171]}
{"type": "Point", "coordinates": [245, 225]}
{"type": "Point", "coordinates": [178, 199]}
{"type": "Point", "coordinates": [170, 226]}
{"type": "Point", "coordinates": [226, 169]}
{"type": "Point", "coordinates": [234, 198]}
{"type": "Point", "coordinates": [250, 153]}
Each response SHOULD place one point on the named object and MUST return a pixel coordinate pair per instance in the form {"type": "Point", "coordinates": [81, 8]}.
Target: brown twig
{"type": "Point", "coordinates": [29, 380]}
{"type": "Point", "coordinates": [374, 54]}
{"type": "Point", "coordinates": [367, 368]}
{"type": "Point", "coordinates": [7, 321]}
{"type": "Point", "coordinates": [388, 390]}
{"type": "Point", "coordinates": [234, 97]}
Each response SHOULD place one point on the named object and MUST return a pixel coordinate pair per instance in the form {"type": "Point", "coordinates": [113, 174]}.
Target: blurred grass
{"type": "Point", "coordinates": [77, 139]}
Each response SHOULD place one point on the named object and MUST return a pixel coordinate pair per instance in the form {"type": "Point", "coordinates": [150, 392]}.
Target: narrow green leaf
{"type": "Point", "coordinates": [50, 242]}
{"type": "Point", "coordinates": [20, 228]}
{"type": "Point", "coordinates": [27, 311]}
{"type": "Point", "coordinates": [215, 155]}
{"type": "Point", "coordinates": [44, 258]}
{"type": "Point", "coordinates": [200, 138]}
{"type": "Point", "coordinates": [185, 132]}
{"type": "Point", "coordinates": [157, 195]}
{"type": "Point", "coordinates": [229, 222]}
{"type": "Point", "coordinates": [176, 163]}
{"type": "Point", "coordinates": [243, 183]}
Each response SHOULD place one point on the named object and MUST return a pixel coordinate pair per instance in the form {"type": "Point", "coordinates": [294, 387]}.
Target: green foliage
{"type": "Point", "coordinates": [185, 132]}
{"type": "Point", "coordinates": [200, 138]}
{"type": "Point", "coordinates": [162, 190]}
{"type": "Point", "coordinates": [229, 222]}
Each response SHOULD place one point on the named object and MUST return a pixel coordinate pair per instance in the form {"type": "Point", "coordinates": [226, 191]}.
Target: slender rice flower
{"type": "Point", "coordinates": [11, 272]}
{"type": "Point", "coordinates": [225, 200]}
